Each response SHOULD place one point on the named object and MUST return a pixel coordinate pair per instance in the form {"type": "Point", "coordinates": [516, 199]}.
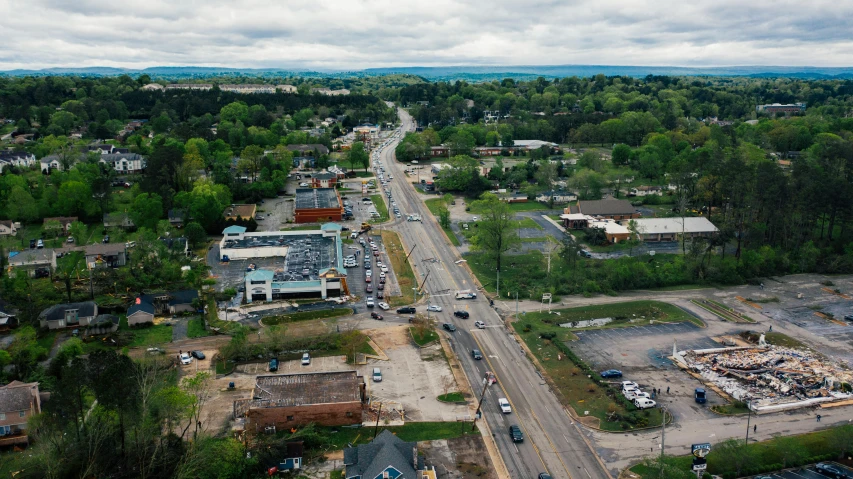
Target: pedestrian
{"type": "Point", "coordinates": [755, 428]}
{"type": "Point", "coordinates": [818, 418]}
{"type": "Point", "coordinates": [667, 389]}
{"type": "Point", "coordinates": [771, 328]}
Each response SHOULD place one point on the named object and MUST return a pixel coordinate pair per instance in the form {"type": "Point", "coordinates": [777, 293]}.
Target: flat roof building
{"type": "Point", "coordinates": [669, 229]}
{"type": "Point", "coordinates": [234, 212]}
{"type": "Point", "coordinates": [318, 204]}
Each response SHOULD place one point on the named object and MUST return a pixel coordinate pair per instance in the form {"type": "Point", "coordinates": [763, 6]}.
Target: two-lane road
{"type": "Point", "coordinates": [553, 441]}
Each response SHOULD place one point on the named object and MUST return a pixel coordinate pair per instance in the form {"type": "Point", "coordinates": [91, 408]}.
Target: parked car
{"type": "Point", "coordinates": [434, 308]}
{"type": "Point", "coordinates": [377, 375]}
{"type": "Point", "coordinates": [449, 327]}
{"type": "Point", "coordinates": [186, 358]}
{"type": "Point", "coordinates": [504, 405]}
{"type": "Point", "coordinates": [106, 239]}
{"type": "Point", "coordinates": [849, 317]}
{"type": "Point", "coordinates": [197, 354]}
{"type": "Point", "coordinates": [544, 475]}
{"type": "Point", "coordinates": [830, 470]}
{"type": "Point", "coordinates": [476, 354]}
{"type": "Point", "coordinates": [40, 244]}
{"type": "Point", "coordinates": [461, 314]}
{"type": "Point", "coordinates": [303, 185]}
{"type": "Point", "coordinates": [70, 239]}
{"type": "Point", "coordinates": [644, 403]}
{"type": "Point", "coordinates": [273, 365]}
{"type": "Point", "coordinates": [406, 310]}
{"type": "Point", "coordinates": [480, 324]}
{"type": "Point", "coordinates": [384, 306]}
{"type": "Point", "coordinates": [306, 359]}
{"type": "Point", "coordinates": [516, 434]}
{"type": "Point", "coordinates": [699, 395]}
{"type": "Point", "coordinates": [376, 316]}
{"type": "Point", "coordinates": [611, 373]}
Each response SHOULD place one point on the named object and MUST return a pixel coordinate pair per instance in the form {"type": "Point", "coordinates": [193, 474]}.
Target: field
{"type": "Point", "coordinates": [402, 269]}
{"type": "Point", "coordinates": [426, 336]}
{"type": "Point", "coordinates": [433, 205]}
{"type": "Point", "coordinates": [195, 328]}
{"type": "Point", "coordinates": [306, 315]}
{"type": "Point", "coordinates": [340, 437]}
{"type": "Point", "coordinates": [634, 313]}
{"type": "Point", "coordinates": [381, 207]}
{"type": "Point", "coordinates": [517, 207]}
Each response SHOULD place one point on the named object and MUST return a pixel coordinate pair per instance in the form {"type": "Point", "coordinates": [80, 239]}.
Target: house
{"type": "Point", "coordinates": [671, 229]}
{"type": "Point", "coordinates": [324, 179]}
{"type": "Point", "coordinates": [386, 456]}
{"type": "Point", "coordinates": [440, 150]}
{"type": "Point", "coordinates": [118, 220]}
{"type": "Point", "coordinates": [141, 311]}
{"type": "Point", "coordinates": [178, 246]}
{"type": "Point", "coordinates": [20, 159]}
{"type": "Point", "coordinates": [311, 149]}
{"type": "Point", "coordinates": [38, 263]}
{"type": "Point", "coordinates": [558, 197]}
{"type": "Point", "coordinates": [177, 216]}
{"type": "Point", "coordinates": [646, 191]}
{"type": "Point", "coordinates": [235, 212]}
{"type": "Point", "coordinates": [8, 320]}
{"type": "Point", "coordinates": [610, 209]}
{"type": "Point", "coordinates": [68, 315]}
{"type": "Point", "coordinates": [102, 324]}
{"type": "Point", "coordinates": [514, 198]}
{"type": "Point", "coordinates": [283, 401]}
{"type": "Point", "coordinates": [18, 402]}
{"type": "Point", "coordinates": [64, 223]}
{"type": "Point", "coordinates": [8, 228]}
{"type": "Point", "coordinates": [182, 301]}
{"type": "Point", "coordinates": [292, 457]}
{"type": "Point", "coordinates": [286, 88]}
{"type": "Point", "coordinates": [153, 87]}
{"type": "Point", "coordinates": [614, 231]}
{"type": "Point", "coordinates": [112, 255]}
{"type": "Point", "coordinates": [330, 92]}
{"type": "Point", "coordinates": [124, 163]}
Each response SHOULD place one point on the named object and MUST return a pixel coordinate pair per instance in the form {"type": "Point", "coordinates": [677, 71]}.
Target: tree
{"type": "Point", "coordinates": [21, 206]}
{"type": "Point", "coordinates": [569, 250]}
{"type": "Point", "coordinates": [358, 156]}
{"type": "Point", "coordinates": [76, 199]}
{"type": "Point", "coordinates": [25, 351]}
{"type": "Point", "coordinates": [79, 231]}
{"type": "Point", "coordinates": [146, 210]}
{"type": "Point", "coordinates": [252, 155]}
{"type": "Point", "coordinates": [546, 174]}
{"type": "Point", "coordinates": [461, 143]}
{"type": "Point", "coordinates": [634, 239]}
{"type": "Point", "coordinates": [195, 233]}
{"type": "Point", "coordinates": [67, 269]}
{"type": "Point", "coordinates": [621, 154]}
{"type": "Point", "coordinates": [840, 437]}
{"type": "Point", "coordinates": [496, 232]}
{"type": "Point", "coordinates": [199, 387]}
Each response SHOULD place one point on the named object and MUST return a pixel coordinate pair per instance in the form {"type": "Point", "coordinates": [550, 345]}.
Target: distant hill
{"type": "Point", "coordinates": [450, 73]}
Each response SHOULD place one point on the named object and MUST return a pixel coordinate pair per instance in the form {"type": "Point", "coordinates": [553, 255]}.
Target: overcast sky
{"type": "Point", "coordinates": [353, 34]}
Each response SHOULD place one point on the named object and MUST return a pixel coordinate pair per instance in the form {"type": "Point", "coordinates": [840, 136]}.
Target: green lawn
{"type": "Point", "coordinates": [631, 313]}
{"type": "Point", "coordinates": [195, 328]}
{"type": "Point", "coordinates": [452, 397]}
{"type": "Point", "coordinates": [306, 315]}
{"type": "Point", "coordinates": [429, 335]}
{"type": "Point", "coordinates": [402, 269]}
{"type": "Point", "coordinates": [144, 337]}
{"type": "Point", "coordinates": [381, 207]}
{"type": "Point", "coordinates": [340, 437]}
{"type": "Point", "coordinates": [433, 205]}
{"type": "Point", "coordinates": [529, 223]}
{"type": "Point", "coordinates": [518, 207]}
{"type": "Point", "coordinates": [46, 340]}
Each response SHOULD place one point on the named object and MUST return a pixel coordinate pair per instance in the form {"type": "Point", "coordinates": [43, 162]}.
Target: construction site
{"type": "Point", "coordinates": [770, 378]}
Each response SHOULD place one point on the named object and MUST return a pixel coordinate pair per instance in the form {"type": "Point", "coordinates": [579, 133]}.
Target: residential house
{"type": "Point", "coordinates": [235, 212]}
{"type": "Point", "coordinates": [386, 456]}
{"type": "Point", "coordinates": [102, 324]}
{"type": "Point", "coordinates": [330, 92]}
{"type": "Point", "coordinates": [247, 88]}
{"type": "Point", "coordinates": [286, 88]}
{"type": "Point", "coordinates": [292, 457]}
{"type": "Point", "coordinates": [610, 209]}
{"type": "Point", "coordinates": [18, 402]}
{"type": "Point", "coordinates": [38, 263]}
{"type": "Point", "coordinates": [9, 228]}
{"type": "Point", "coordinates": [64, 223]}
{"type": "Point", "coordinates": [141, 311]}
{"type": "Point", "coordinates": [111, 255]}
{"type": "Point", "coordinates": [324, 180]}
{"type": "Point", "coordinates": [8, 319]}
{"type": "Point", "coordinates": [51, 162]}
{"type": "Point", "coordinates": [182, 301]}
{"type": "Point", "coordinates": [124, 163]}
{"type": "Point", "coordinates": [646, 191]}
{"type": "Point", "coordinates": [153, 87]}
{"type": "Point", "coordinates": [20, 159]}
{"type": "Point", "coordinates": [310, 149]}
{"type": "Point", "coordinates": [557, 197]}
{"type": "Point", "coordinates": [178, 246]}
{"type": "Point", "coordinates": [671, 229]}
{"type": "Point", "coordinates": [118, 220]}
{"type": "Point", "coordinates": [68, 315]}
{"type": "Point", "coordinates": [177, 216]}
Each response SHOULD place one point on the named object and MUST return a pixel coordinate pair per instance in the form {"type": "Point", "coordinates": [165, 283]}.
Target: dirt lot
{"type": "Point", "coordinates": [460, 458]}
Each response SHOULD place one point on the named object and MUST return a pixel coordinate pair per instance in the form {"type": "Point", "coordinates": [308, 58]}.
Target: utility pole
{"type": "Point", "coordinates": [410, 252]}
{"type": "Point", "coordinates": [516, 304]}
{"type": "Point", "coordinates": [748, 417]}
{"type": "Point", "coordinates": [485, 386]}
{"type": "Point", "coordinates": [498, 287]}
{"type": "Point", "coordinates": [662, 437]}
{"type": "Point", "coordinates": [378, 415]}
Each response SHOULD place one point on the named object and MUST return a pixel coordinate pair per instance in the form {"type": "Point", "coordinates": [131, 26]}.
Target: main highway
{"type": "Point", "coordinates": [553, 441]}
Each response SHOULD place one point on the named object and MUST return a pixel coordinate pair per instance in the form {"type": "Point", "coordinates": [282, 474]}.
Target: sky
{"type": "Point", "coordinates": [356, 34]}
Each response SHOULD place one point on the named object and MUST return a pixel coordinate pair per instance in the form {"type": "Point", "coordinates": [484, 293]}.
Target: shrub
{"type": "Point", "coordinates": [549, 335]}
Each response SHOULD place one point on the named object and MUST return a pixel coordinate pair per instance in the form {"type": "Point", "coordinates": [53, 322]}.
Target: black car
{"type": "Point", "coordinates": [516, 434]}
{"type": "Point", "coordinates": [376, 316]}
{"type": "Point", "coordinates": [611, 373]}
{"type": "Point", "coordinates": [197, 354]}
{"type": "Point", "coordinates": [544, 475]}
{"type": "Point", "coordinates": [406, 310]}
{"type": "Point", "coordinates": [830, 470]}
{"type": "Point", "coordinates": [32, 244]}
{"type": "Point", "coordinates": [273, 365]}
{"type": "Point", "coordinates": [849, 317]}
{"type": "Point", "coordinates": [449, 327]}
{"type": "Point", "coordinates": [106, 239]}
{"type": "Point", "coordinates": [476, 354]}
{"type": "Point", "coordinates": [461, 314]}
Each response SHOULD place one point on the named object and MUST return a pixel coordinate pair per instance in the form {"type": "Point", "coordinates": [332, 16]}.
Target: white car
{"type": "Point", "coordinates": [385, 306]}
{"type": "Point", "coordinates": [476, 218]}
{"type": "Point", "coordinates": [186, 358]}
{"type": "Point", "coordinates": [303, 185]}
{"type": "Point", "coordinates": [434, 308]}
{"type": "Point", "coordinates": [504, 405]}
{"type": "Point", "coordinates": [370, 302]}
{"type": "Point", "coordinates": [306, 359]}
{"type": "Point", "coordinates": [480, 324]}
{"type": "Point", "coordinates": [381, 275]}
{"type": "Point", "coordinates": [384, 268]}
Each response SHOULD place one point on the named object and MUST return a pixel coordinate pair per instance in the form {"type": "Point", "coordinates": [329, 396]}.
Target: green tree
{"type": "Point", "coordinates": [738, 454]}
{"type": "Point", "coordinates": [76, 199]}
{"type": "Point", "coordinates": [358, 156]}
{"type": "Point", "coordinates": [252, 155]}
{"type": "Point", "coordinates": [146, 210]}
{"type": "Point", "coordinates": [79, 231]}
{"type": "Point", "coordinates": [195, 233]}
{"type": "Point", "coordinates": [21, 206]}
{"type": "Point", "coordinates": [621, 154]}
{"type": "Point", "coordinates": [496, 232]}
{"type": "Point", "coordinates": [234, 112]}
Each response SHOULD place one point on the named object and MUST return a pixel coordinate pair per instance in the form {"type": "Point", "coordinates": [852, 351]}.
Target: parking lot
{"type": "Point", "coordinates": [810, 472]}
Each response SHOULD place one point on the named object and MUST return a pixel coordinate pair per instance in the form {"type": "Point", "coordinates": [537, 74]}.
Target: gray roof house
{"type": "Point", "coordinates": [140, 312]}
{"type": "Point", "coordinates": [34, 261]}
{"type": "Point", "coordinates": [386, 456]}
{"type": "Point", "coordinates": [180, 301]}
{"type": "Point", "coordinates": [68, 315]}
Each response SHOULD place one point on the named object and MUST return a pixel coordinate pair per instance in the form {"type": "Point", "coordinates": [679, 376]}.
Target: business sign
{"type": "Point", "coordinates": [700, 467]}
{"type": "Point", "coordinates": [701, 450]}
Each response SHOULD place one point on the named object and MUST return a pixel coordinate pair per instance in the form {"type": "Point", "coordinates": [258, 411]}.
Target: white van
{"type": "Point", "coordinates": [644, 403]}
{"type": "Point", "coordinates": [630, 394]}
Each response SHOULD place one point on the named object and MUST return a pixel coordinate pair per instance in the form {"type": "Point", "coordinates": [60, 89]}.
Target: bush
{"type": "Point", "coordinates": [548, 335]}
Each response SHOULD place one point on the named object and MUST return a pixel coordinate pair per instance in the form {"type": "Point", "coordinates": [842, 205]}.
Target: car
{"type": "Point", "coordinates": [106, 239]}
{"type": "Point", "coordinates": [70, 239]}
{"type": "Point", "coordinates": [306, 359]}
{"type": "Point", "coordinates": [476, 354]}
{"type": "Point", "coordinates": [377, 375]}
{"type": "Point", "coordinates": [186, 358]}
{"type": "Point", "coordinates": [376, 316]}
{"type": "Point", "coordinates": [381, 275]}
{"type": "Point", "coordinates": [516, 434]}
{"type": "Point", "coordinates": [384, 306]}
{"type": "Point", "coordinates": [369, 288]}
{"type": "Point", "coordinates": [382, 280]}
{"type": "Point", "coordinates": [544, 475]}
{"type": "Point", "coordinates": [644, 403]}
{"type": "Point", "coordinates": [303, 185]}
{"type": "Point", "coordinates": [699, 396]}
{"type": "Point", "coordinates": [475, 218]}
{"type": "Point", "coordinates": [849, 317]}
{"type": "Point", "coordinates": [368, 279]}
{"type": "Point", "coordinates": [381, 285]}
{"type": "Point", "coordinates": [32, 243]}
{"type": "Point", "coordinates": [830, 470]}
{"type": "Point", "coordinates": [406, 310]}
{"type": "Point", "coordinates": [384, 268]}
{"type": "Point", "coordinates": [434, 308]}
{"type": "Point", "coordinates": [197, 354]}
{"type": "Point", "coordinates": [273, 365]}
{"type": "Point", "coordinates": [461, 314]}
{"type": "Point", "coordinates": [504, 405]}
{"type": "Point", "coordinates": [40, 244]}
{"type": "Point", "coordinates": [611, 373]}
{"type": "Point", "coordinates": [480, 324]}
{"type": "Point", "coordinates": [370, 302]}
{"type": "Point", "coordinates": [449, 327]}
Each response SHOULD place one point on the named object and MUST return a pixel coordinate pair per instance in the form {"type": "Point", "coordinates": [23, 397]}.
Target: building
{"type": "Point", "coordinates": [292, 457]}
{"type": "Point", "coordinates": [148, 305]}
{"type": "Point", "coordinates": [488, 150]}
{"type": "Point", "coordinates": [614, 231]}
{"type": "Point", "coordinates": [189, 86]}
{"type": "Point", "coordinates": [610, 209]}
{"type": "Point", "coordinates": [646, 191]}
{"type": "Point", "coordinates": [20, 159]}
{"type": "Point", "coordinates": [386, 456]}
{"type": "Point", "coordinates": [787, 109]}
{"type": "Point", "coordinates": [671, 229]}
{"type": "Point", "coordinates": [330, 92]}
{"type": "Point", "coordinates": [370, 132]}
{"type": "Point", "coordinates": [38, 263]}
{"type": "Point", "coordinates": [153, 87]}
{"type": "Point", "coordinates": [124, 163]}
{"type": "Point", "coordinates": [558, 197]}
{"type": "Point", "coordinates": [182, 301]}
{"type": "Point", "coordinates": [140, 312]}
{"type": "Point", "coordinates": [64, 223]}
{"type": "Point", "coordinates": [529, 145]}
{"type": "Point", "coordinates": [292, 400]}
{"type": "Point", "coordinates": [286, 88]}
{"type": "Point", "coordinates": [514, 198]}
{"type": "Point", "coordinates": [248, 88]}
{"type": "Point", "coordinates": [318, 204]}
{"type": "Point", "coordinates": [324, 179]}
{"type": "Point", "coordinates": [310, 149]}
{"type": "Point", "coordinates": [177, 216]}
{"type": "Point", "coordinates": [110, 255]}
{"type": "Point", "coordinates": [8, 319]}
{"type": "Point", "coordinates": [9, 228]}
{"type": "Point", "coordinates": [440, 150]}
{"type": "Point", "coordinates": [236, 212]}
{"type": "Point", "coordinates": [118, 220]}
{"type": "Point", "coordinates": [18, 402]}
{"type": "Point", "coordinates": [71, 315]}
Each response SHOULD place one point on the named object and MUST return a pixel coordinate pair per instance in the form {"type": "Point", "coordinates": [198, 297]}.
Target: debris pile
{"type": "Point", "coordinates": [771, 376]}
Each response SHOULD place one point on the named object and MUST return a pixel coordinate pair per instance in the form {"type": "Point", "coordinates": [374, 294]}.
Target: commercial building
{"type": "Point", "coordinates": [612, 230]}
{"type": "Point", "coordinates": [235, 212]}
{"type": "Point", "coordinates": [671, 229]}
{"type": "Point", "coordinates": [609, 209]}
{"type": "Point", "coordinates": [292, 400]}
{"type": "Point", "coordinates": [318, 204]}
{"type": "Point", "coordinates": [789, 108]}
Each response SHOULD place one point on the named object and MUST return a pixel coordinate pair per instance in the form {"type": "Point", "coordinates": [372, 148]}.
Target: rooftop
{"type": "Point", "coordinates": [310, 198]}
{"type": "Point", "coordinates": [32, 256]}
{"type": "Point", "coordinates": [55, 312]}
{"type": "Point", "coordinates": [306, 389]}
{"type": "Point", "coordinates": [18, 396]}
{"type": "Point", "coordinates": [305, 254]}
{"type": "Point", "coordinates": [242, 211]}
{"type": "Point", "coordinates": [387, 450]}
{"type": "Point", "coordinates": [606, 207]}
{"type": "Point", "coordinates": [698, 224]}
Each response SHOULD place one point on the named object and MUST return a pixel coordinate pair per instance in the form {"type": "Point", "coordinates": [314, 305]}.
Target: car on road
{"type": "Point", "coordinates": [385, 306]}
{"type": "Point", "coordinates": [476, 354]}
{"type": "Point", "coordinates": [449, 327]}
{"type": "Point", "coordinates": [504, 405]}
{"type": "Point", "coordinates": [70, 239]}
{"type": "Point", "coordinates": [197, 354]}
{"type": "Point", "coordinates": [461, 314]}
{"type": "Point", "coordinates": [544, 475]}
{"type": "Point", "coordinates": [434, 308]}
{"type": "Point", "coordinates": [306, 359]}
{"type": "Point", "coordinates": [186, 358]}
{"type": "Point", "coordinates": [303, 185]}
{"type": "Point", "coordinates": [516, 434]}
{"type": "Point", "coordinates": [376, 316]}
{"type": "Point", "coordinates": [370, 302]}
{"type": "Point", "coordinates": [849, 317]}
{"type": "Point", "coordinates": [480, 324]}
{"type": "Point", "coordinates": [406, 310]}
{"type": "Point", "coordinates": [611, 373]}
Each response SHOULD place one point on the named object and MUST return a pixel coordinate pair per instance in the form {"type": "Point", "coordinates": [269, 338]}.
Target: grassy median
{"type": "Point", "coordinates": [402, 269]}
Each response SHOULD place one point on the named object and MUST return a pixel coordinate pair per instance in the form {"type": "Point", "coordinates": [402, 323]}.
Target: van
{"type": "Point", "coordinates": [644, 403]}
{"type": "Point", "coordinates": [377, 375]}
{"type": "Point", "coordinates": [354, 235]}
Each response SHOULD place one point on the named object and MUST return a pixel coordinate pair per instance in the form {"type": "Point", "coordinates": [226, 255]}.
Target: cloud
{"type": "Point", "coordinates": [350, 34]}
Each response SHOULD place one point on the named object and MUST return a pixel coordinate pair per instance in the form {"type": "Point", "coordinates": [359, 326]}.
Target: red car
{"type": "Point", "coordinates": [381, 286]}
{"type": "Point", "coordinates": [369, 288]}
{"type": "Point", "coordinates": [368, 279]}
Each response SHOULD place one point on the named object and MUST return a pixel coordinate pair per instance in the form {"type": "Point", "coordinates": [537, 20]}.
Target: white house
{"type": "Point", "coordinates": [9, 228]}
{"type": "Point", "coordinates": [124, 162]}
{"type": "Point", "coordinates": [16, 158]}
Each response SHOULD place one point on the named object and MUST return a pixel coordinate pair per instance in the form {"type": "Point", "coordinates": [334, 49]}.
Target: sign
{"type": "Point", "coordinates": [700, 467]}
{"type": "Point", "coordinates": [701, 450]}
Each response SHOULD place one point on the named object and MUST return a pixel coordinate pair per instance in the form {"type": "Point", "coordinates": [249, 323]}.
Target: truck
{"type": "Point", "coordinates": [365, 227]}
{"type": "Point", "coordinates": [466, 294]}
{"type": "Point", "coordinates": [413, 218]}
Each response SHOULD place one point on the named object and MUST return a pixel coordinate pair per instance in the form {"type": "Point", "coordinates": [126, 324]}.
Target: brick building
{"type": "Point", "coordinates": [316, 205]}
{"type": "Point", "coordinates": [292, 400]}
{"type": "Point", "coordinates": [607, 209]}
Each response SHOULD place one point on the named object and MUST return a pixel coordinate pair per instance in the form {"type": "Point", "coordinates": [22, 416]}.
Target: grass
{"type": "Point", "coordinates": [421, 338]}
{"type": "Point", "coordinates": [451, 397]}
{"type": "Point", "coordinates": [632, 313]}
{"type": "Point", "coordinates": [381, 207]}
{"type": "Point", "coordinates": [306, 315]}
{"type": "Point", "coordinates": [433, 205]}
{"type": "Point", "coordinates": [336, 475]}
{"type": "Point", "coordinates": [413, 431]}
{"type": "Point", "coordinates": [150, 336]}
{"type": "Point", "coordinates": [732, 409]}
{"type": "Point", "coordinates": [772, 299]}
{"type": "Point", "coordinates": [529, 223]}
{"type": "Point", "coordinates": [402, 269]}
{"type": "Point", "coordinates": [46, 341]}
{"type": "Point", "coordinates": [517, 207]}
{"type": "Point", "coordinates": [779, 339]}
{"type": "Point", "coordinates": [195, 328]}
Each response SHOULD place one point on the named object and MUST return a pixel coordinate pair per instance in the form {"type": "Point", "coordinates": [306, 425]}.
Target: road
{"type": "Point", "coordinates": [553, 441]}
